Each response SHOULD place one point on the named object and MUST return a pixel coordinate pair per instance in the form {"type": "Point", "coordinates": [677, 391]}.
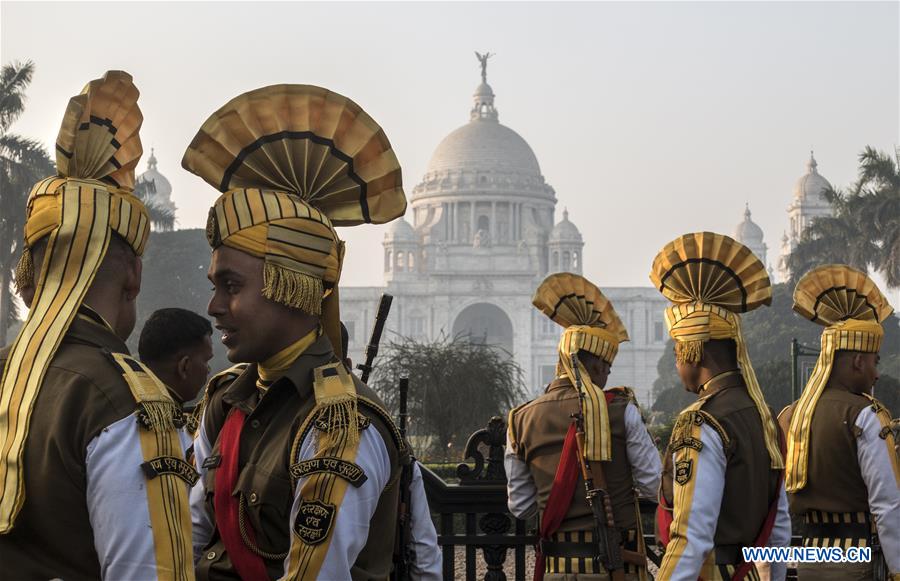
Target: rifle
{"type": "Point", "coordinates": [384, 307]}
{"type": "Point", "coordinates": [608, 539]}
{"type": "Point", "coordinates": [402, 552]}
{"type": "Point", "coordinates": [880, 570]}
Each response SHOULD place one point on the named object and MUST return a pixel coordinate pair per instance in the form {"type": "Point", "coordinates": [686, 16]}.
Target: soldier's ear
{"type": "Point", "coordinates": [132, 284]}
{"type": "Point", "coordinates": [182, 368]}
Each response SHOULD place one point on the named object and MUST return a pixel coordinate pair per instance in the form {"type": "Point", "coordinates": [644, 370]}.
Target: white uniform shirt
{"type": "Point", "coordinates": [117, 501]}
{"type": "Point", "coordinates": [686, 553]}
{"type": "Point", "coordinates": [884, 495]}
{"type": "Point", "coordinates": [350, 529]}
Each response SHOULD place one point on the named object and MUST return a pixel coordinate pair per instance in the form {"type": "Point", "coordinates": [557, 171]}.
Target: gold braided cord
{"type": "Point", "coordinates": [293, 162]}
{"type": "Point", "coordinates": [167, 496]}
{"type": "Point", "coordinates": [97, 149]}
{"type": "Point", "coordinates": [591, 324]}
{"type": "Point", "coordinates": [711, 278]}
{"type": "Point", "coordinates": [853, 308]}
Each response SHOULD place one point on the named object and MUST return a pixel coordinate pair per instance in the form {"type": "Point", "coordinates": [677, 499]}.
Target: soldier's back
{"type": "Point", "coordinates": [81, 395]}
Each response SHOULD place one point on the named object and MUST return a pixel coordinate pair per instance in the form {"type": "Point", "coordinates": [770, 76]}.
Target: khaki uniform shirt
{"type": "Point", "coordinates": [538, 430]}
{"type": "Point", "coordinates": [82, 470]}
{"type": "Point", "coordinates": [851, 469]}
{"type": "Point", "coordinates": [264, 480]}
{"type": "Point", "coordinates": [718, 479]}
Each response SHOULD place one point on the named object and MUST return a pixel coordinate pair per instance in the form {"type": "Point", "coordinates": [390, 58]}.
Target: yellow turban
{"type": "Point", "coordinates": [852, 309]}
{"type": "Point", "coordinates": [590, 324]}
{"type": "Point", "coordinates": [711, 278]}
{"type": "Point", "coordinates": [292, 162]}
{"type": "Point", "coordinates": [97, 149]}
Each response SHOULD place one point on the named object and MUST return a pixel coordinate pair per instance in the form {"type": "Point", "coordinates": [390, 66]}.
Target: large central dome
{"type": "Point", "coordinates": [484, 144]}
{"type": "Point", "coordinates": [483, 157]}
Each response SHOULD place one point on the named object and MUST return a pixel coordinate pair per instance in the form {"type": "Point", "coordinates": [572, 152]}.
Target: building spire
{"type": "Point", "coordinates": [747, 211]}
{"type": "Point", "coordinates": [811, 165]}
{"type": "Point", "coordinates": [151, 161]}
{"type": "Point", "coordinates": [483, 109]}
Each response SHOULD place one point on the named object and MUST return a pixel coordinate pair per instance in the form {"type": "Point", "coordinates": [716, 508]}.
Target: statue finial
{"type": "Point", "coordinates": [483, 59]}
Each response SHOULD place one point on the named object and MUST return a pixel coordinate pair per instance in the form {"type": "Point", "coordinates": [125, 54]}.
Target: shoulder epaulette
{"type": "Point", "coordinates": [511, 437]}
{"type": "Point", "coordinates": [685, 432]}
{"type": "Point", "coordinates": [224, 377]}
{"type": "Point", "coordinates": [218, 380]}
{"type": "Point", "coordinates": [157, 411]}
{"type": "Point", "coordinates": [876, 405]}
{"type": "Point", "coordinates": [622, 390]}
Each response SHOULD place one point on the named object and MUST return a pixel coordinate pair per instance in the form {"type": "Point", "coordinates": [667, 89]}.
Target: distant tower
{"type": "Point", "coordinates": [750, 235]}
{"type": "Point", "coordinates": [808, 204]}
{"type": "Point", "coordinates": [565, 246]}
{"type": "Point", "coordinates": [401, 252]}
{"type": "Point", "coordinates": [157, 196]}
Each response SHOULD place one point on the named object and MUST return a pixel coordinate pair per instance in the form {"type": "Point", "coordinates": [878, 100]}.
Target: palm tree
{"type": "Point", "coordinates": [23, 162]}
{"type": "Point", "coordinates": [879, 186]}
{"type": "Point", "coordinates": [161, 218]}
{"type": "Point", "coordinates": [864, 231]}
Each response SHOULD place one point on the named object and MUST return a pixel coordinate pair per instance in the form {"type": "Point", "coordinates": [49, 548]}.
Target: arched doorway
{"type": "Point", "coordinates": [485, 323]}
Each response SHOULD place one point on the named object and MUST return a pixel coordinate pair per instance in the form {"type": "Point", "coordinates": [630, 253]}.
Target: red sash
{"type": "Point", "coordinates": [561, 493]}
{"type": "Point", "coordinates": [249, 565]}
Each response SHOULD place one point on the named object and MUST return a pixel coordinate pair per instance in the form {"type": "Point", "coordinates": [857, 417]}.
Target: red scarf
{"type": "Point", "coordinates": [249, 565]}
{"type": "Point", "coordinates": [561, 493]}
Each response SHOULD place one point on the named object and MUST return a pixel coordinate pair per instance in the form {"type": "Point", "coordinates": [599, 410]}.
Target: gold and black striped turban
{"type": "Point", "coordinates": [292, 162]}
{"type": "Point", "coordinates": [591, 324]}
{"type": "Point", "coordinates": [852, 308]}
{"type": "Point", "coordinates": [711, 278]}
{"type": "Point", "coordinates": [77, 211]}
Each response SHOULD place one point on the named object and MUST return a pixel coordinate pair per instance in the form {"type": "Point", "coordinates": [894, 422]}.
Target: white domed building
{"type": "Point", "coordinates": [158, 196]}
{"type": "Point", "coordinates": [807, 204]}
{"type": "Point", "coordinates": [750, 235]}
{"type": "Point", "coordinates": [481, 239]}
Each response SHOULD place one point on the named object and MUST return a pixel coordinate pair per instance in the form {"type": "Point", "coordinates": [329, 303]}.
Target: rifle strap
{"type": "Point", "coordinates": [561, 495]}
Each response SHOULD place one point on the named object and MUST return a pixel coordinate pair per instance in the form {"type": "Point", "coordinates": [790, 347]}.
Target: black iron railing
{"type": "Point", "coordinates": [473, 514]}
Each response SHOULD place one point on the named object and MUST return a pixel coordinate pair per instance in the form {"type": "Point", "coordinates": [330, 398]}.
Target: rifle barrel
{"type": "Point", "coordinates": [384, 307]}
{"type": "Point", "coordinates": [404, 392]}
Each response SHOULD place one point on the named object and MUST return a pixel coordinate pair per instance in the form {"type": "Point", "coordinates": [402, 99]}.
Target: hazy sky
{"type": "Point", "coordinates": [648, 119]}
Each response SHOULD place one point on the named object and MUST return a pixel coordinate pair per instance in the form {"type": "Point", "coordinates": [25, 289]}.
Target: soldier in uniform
{"type": "Point", "coordinates": [541, 461]}
{"type": "Point", "coordinates": [93, 482]}
{"type": "Point", "coordinates": [176, 344]}
{"type": "Point", "coordinates": [299, 462]}
{"type": "Point", "coordinates": [842, 471]}
{"type": "Point", "coordinates": [722, 483]}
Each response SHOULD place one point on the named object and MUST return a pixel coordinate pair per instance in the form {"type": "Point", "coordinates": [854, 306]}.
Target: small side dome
{"type": "Point", "coordinates": [400, 231]}
{"type": "Point", "coordinates": [811, 186]}
{"type": "Point", "coordinates": [565, 231]}
{"type": "Point", "coordinates": [748, 232]}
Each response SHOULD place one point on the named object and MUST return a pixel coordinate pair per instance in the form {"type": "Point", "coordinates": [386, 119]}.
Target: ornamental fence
{"type": "Point", "coordinates": [473, 516]}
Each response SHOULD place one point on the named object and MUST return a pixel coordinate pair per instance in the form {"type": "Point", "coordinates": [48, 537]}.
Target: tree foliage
{"type": "Point", "coordinates": [455, 386]}
{"type": "Point", "coordinates": [864, 231]}
{"type": "Point", "coordinates": [160, 216]}
{"type": "Point", "coordinates": [23, 162]}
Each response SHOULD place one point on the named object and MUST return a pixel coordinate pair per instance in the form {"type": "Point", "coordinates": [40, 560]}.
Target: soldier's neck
{"type": "Point", "coordinates": [840, 384]}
